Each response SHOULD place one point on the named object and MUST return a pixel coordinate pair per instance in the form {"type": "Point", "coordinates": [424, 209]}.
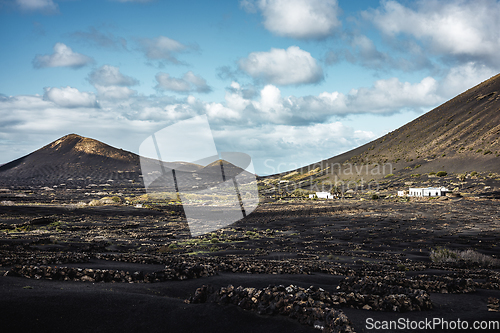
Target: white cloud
{"type": "Point", "coordinates": [162, 48]}
{"type": "Point", "coordinates": [451, 28]}
{"type": "Point", "coordinates": [63, 56]}
{"type": "Point", "coordinates": [107, 75]}
{"type": "Point", "coordinates": [391, 95]}
{"type": "Point", "coordinates": [219, 111]}
{"type": "Point", "coordinates": [46, 6]}
{"type": "Point", "coordinates": [110, 83]}
{"type": "Point", "coordinates": [190, 82]}
{"type": "Point", "coordinates": [460, 78]}
{"type": "Point", "coordinates": [114, 92]}
{"type": "Point", "coordinates": [70, 97]}
{"type": "Point", "coordinates": [302, 19]}
{"type": "Point", "coordinates": [283, 67]}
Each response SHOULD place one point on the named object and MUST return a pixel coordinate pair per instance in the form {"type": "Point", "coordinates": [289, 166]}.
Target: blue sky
{"type": "Point", "coordinates": [287, 82]}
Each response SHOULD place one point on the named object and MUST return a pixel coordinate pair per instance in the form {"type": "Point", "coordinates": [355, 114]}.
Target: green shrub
{"type": "Point", "coordinates": [389, 175]}
{"type": "Point", "coordinates": [473, 173]}
{"type": "Point", "coordinates": [415, 175]}
{"type": "Point", "coordinates": [432, 173]}
{"type": "Point", "coordinates": [375, 196]}
{"type": "Point", "coordinates": [488, 152]}
{"type": "Point", "coordinates": [418, 166]}
{"type": "Point", "coordinates": [479, 150]}
{"type": "Point", "coordinates": [441, 173]}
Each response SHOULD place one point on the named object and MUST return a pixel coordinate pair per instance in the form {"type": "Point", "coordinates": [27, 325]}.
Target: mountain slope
{"type": "Point", "coordinates": [461, 135]}
{"type": "Point", "coordinates": [72, 158]}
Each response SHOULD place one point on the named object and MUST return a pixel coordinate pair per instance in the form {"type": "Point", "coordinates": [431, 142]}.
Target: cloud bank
{"type": "Point", "coordinates": [63, 56]}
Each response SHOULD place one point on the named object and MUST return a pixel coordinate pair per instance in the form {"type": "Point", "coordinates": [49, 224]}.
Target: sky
{"type": "Point", "coordinates": [288, 82]}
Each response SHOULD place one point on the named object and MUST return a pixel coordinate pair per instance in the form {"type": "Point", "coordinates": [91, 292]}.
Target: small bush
{"type": "Point", "coordinates": [488, 152]}
{"type": "Point", "coordinates": [441, 173]}
{"type": "Point", "coordinates": [375, 197]}
{"type": "Point", "coordinates": [415, 175]}
{"type": "Point", "coordinates": [95, 202]}
{"type": "Point", "coordinates": [473, 173]}
{"type": "Point", "coordinates": [479, 150]}
{"type": "Point", "coordinates": [418, 166]}
{"type": "Point", "coordinates": [165, 249]}
{"type": "Point", "coordinates": [432, 173]}
{"type": "Point", "coordinates": [443, 255]}
{"type": "Point", "coordinates": [389, 175]}
{"type": "Point", "coordinates": [402, 268]}
{"type": "Point", "coordinates": [470, 256]}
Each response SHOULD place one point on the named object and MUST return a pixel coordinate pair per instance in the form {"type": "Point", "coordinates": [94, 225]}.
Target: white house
{"type": "Point", "coordinates": [425, 192]}
{"type": "Point", "coordinates": [322, 195]}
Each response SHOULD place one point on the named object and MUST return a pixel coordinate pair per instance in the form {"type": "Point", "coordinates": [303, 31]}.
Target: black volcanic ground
{"type": "Point", "coordinates": [115, 267]}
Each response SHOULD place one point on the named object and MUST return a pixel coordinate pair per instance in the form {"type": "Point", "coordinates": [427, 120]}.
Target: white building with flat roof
{"type": "Point", "coordinates": [425, 192]}
{"type": "Point", "coordinates": [322, 195]}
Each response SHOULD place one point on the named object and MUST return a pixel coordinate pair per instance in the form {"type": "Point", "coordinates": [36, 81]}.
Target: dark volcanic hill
{"type": "Point", "coordinates": [76, 160]}
{"type": "Point", "coordinates": [461, 135]}
{"type": "Point", "coordinates": [72, 159]}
